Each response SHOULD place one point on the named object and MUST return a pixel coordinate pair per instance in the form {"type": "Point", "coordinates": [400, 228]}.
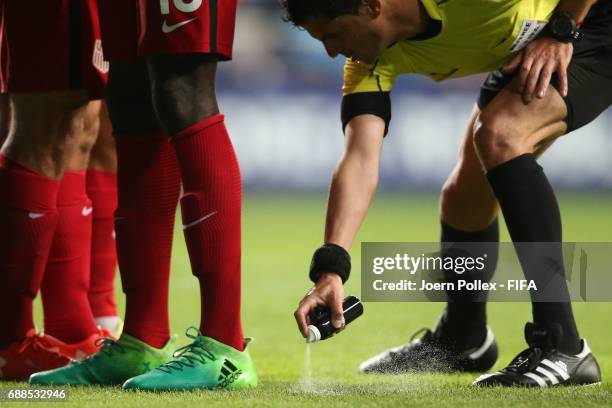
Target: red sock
{"type": "Point", "coordinates": [102, 191]}
{"type": "Point", "coordinates": [148, 183]}
{"type": "Point", "coordinates": [65, 283]}
{"type": "Point", "coordinates": [211, 208]}
{"type": "Point", "coordinates": [28, 217]}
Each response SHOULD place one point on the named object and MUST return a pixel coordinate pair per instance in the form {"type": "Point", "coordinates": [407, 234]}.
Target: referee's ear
{"type": "Point", "coordinates": [371, 8]}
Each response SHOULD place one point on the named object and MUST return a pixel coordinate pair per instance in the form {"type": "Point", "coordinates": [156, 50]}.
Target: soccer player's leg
{"type": "Point", "coordinates": [461, 340]}
{"type": "Point", "coordinates": [148, 179]}
{"type": "Point", "coordinates": [47, 115]}
{"type": "Point", "coordinates": [68, 316]}
{"type": "Point", "coordinates": [469, 223]}
{"type": "Point", "coordinates": [102, 191]}
{"type": "Point", "coordinates": [183, 89]}
{"type": "Point", "coordinates": [148, 185]}
{"type": "Point", "coordinates": [509, 133]}
{"type": "Point", "coordinates": [148, 188]}
{"type": "Point", "coordinates": [211, 207]}
{"type": "Point", "coordinates": [31, 168]}
{"type": "Point", "coordinates": [64, 291]}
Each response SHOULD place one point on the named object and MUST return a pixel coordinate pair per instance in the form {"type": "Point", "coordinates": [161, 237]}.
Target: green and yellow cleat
{"type": "Point", "coordinates": [203, 364]}
{"type": "Point", "coordinates": [116, 362]}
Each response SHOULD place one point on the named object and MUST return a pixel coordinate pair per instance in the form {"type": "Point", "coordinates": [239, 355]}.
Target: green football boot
{"type": "Point", "coordinates": [203, 364]}
{"type": "Point", "coordinates": [112, 365]}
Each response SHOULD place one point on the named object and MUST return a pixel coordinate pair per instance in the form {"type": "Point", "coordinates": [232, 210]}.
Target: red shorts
{"type": "Point", "coordinates": [132, 29]}
{"type": "Point", "coordinates": [51, 45]}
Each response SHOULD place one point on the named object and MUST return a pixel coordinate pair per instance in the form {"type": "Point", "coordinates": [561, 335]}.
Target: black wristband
{"type": "Point", "coordinates": [330, 258]}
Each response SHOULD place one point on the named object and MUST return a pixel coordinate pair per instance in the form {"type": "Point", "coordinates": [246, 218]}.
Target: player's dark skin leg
{"type": "Point", "coordinates": [45, 144]}
{"type": "Point", "coordinates": [129, 99]}
{"type": "Point", "coordinates": [183, 89]}
{"type": "Point", "coordinates": [507, 135]}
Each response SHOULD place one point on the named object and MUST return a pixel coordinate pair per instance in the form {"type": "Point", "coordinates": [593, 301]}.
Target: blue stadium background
{"type": "Point", "coordinates": [281, 95]}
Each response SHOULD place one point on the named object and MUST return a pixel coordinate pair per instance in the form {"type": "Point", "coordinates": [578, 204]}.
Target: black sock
{"type": "Point", "coordinates": [465, 320]}
{"type": "Point", "coordinates": [532, 214]}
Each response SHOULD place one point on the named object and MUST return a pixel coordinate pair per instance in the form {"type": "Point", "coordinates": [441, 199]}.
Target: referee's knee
{"type": "Point", "coordinates": [496, 139]}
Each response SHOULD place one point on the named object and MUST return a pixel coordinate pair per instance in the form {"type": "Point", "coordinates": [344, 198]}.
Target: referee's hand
{"type": "Point", "coordinates": [536, 64]}
{"type": "Point", "coordinates": [328, 291]}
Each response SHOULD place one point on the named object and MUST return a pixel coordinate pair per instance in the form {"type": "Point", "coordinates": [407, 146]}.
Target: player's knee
{"type": "Point", "coordinates": [46, 131]}
{"type": "Point", "coordinates": [183, 90]}
{"type": "Point", "coordinates": [129, 100]}
{"type": "Point", "coordinates": [494, 137]}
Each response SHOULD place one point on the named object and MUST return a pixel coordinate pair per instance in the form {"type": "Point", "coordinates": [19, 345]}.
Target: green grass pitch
{"type": "Point", "coordinates": [280, 233]}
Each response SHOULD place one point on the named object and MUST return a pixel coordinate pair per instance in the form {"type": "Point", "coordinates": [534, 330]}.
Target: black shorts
{"type": "Point", "coordinates": [589, 73]}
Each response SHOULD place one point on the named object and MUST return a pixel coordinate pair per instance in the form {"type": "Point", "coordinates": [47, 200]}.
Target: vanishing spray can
{"type": "Point", "coordinates": [320, 327]}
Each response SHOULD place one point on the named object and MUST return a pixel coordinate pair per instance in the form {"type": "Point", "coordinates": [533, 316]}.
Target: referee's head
{"type": "Point", "coordinates": [299, 11]}
{"type": "Point", "coordinates": [353, 28]}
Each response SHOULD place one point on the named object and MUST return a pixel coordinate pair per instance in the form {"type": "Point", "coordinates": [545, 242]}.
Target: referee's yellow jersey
{"type": "Point", "coordinates": [475, 36]}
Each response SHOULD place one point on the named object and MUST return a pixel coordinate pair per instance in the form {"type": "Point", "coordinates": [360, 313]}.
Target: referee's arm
{"type": "Point", "coordinates": [366, 112]}
{"type": "Point", "coordinates": [355, 179]}
{"type": "Point", "coordinates": [578, 9]}
{"type": "Point", "coordinates": [352, 189]}
{"type": "Point", "coordinates": [365, 119]}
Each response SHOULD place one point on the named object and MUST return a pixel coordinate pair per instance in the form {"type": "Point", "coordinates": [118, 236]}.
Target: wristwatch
{"type": "Point", "coordinates": [562, 27]}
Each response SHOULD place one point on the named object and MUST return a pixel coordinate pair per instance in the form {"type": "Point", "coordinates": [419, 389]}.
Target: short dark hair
{"type": "Point", "coordinates": [299, 11]}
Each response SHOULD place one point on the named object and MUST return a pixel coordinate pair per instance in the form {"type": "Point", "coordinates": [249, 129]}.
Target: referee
{"type": "Point", "coordinates": [550, 65]}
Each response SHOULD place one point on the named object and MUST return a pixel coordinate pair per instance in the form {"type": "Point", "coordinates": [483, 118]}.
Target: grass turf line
{"type": "Point", "coordinates": [280, 233]}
